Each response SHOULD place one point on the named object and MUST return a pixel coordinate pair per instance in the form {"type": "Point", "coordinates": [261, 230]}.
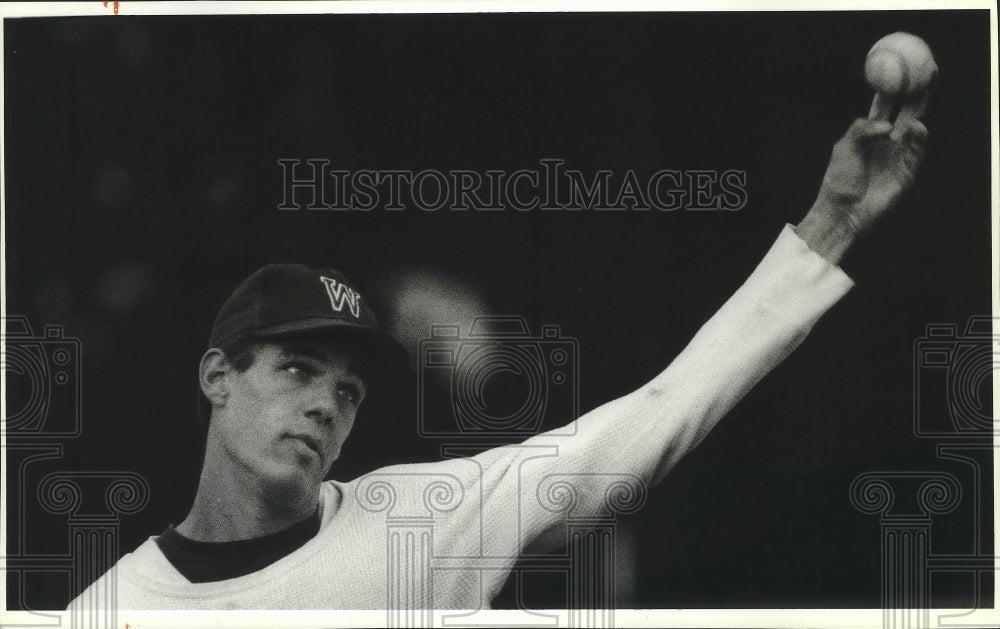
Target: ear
{"type": "Point", "coordinates": [212, 376]}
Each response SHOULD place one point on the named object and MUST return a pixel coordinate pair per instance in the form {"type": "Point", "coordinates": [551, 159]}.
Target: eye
{"type": "Point", "coordinates": [299, 369]}
{"type": "Point", "coordinates": [351, 394]}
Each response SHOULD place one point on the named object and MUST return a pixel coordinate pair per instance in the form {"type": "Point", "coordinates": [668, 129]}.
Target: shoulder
{"type": "Point", "coordinates": [405, 488]}
{"type": "Point", "coordinates": [123, 582]}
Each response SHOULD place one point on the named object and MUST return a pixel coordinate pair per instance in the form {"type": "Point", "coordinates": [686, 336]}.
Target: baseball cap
{"type": "Point", "coordinates": [284, 299]}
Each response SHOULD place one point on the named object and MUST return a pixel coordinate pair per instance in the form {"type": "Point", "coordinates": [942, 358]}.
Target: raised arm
{"type": "Point", "coordinates": [633, 441]}
{"type": "Point", "coordinates": [877, 159]}
{"type": "Point", "coordinates": [645, 433]}
{"type": "Point", "coordinates": [870, 169]}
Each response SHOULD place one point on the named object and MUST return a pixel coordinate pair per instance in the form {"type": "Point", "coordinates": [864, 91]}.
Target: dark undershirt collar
{"type": "Point", "coordinates": [203, 562]}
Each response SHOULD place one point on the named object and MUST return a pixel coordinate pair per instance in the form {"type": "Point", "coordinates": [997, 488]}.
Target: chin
{"type": "Point", "coordinates": [291, 484]}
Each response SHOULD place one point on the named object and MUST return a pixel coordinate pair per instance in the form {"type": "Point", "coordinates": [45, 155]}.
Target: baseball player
{"type": "Point", "coordinates": [294, 351]}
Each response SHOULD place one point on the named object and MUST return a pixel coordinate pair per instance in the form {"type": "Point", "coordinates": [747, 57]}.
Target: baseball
{"type": "Point", "coordinates": [900, 64]}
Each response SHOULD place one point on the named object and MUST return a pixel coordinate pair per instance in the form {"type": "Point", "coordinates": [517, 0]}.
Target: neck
{"type": "Point", "coordinates": [233, 505]}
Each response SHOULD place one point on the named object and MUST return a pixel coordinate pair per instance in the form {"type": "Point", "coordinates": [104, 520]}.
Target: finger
{"type": "Point", "coordinates": [864, 128]}
{"type": "Point", "coordinates": [913, 108]}
{"type": "Point", "coordinates": [910, 163]}
{"type": "Point", "coordinates": [915, 104]}
{"type": "Point", "coordinates": [914, 140]}
{"type": "Point", "coordinates": [881, 107]}
{"type": "Point", "coordinates": [915, 133]}
{"type": "Point", "coordinates": [908, 126]}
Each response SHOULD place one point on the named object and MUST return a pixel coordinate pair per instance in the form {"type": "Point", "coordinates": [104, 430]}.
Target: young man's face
{"type": "Point", "coordinates": [287, 416]}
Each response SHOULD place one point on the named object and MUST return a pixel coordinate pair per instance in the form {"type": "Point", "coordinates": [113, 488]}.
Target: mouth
{"type": "Point", "coordinates": [310, 441]}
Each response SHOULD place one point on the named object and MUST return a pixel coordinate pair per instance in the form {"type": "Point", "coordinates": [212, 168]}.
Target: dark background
{"type": "Point", "coordinates": [142, 184]}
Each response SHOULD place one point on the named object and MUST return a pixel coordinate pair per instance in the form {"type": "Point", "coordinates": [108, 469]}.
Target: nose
{"type": "Point", "coordinates": [322, 405]}
{"type": "Point", "coordinates": [321, 416]}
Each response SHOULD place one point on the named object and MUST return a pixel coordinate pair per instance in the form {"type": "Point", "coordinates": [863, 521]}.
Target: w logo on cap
{"type": "Point", "coordinates": [340, 294]}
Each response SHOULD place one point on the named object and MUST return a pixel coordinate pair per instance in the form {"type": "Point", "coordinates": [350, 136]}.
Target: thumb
{"type": "Point", "coordinates": [910, 112]}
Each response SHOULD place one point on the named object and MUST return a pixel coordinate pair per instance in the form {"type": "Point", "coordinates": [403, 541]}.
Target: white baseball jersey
{"type": "Point", "coordinates": [443, 535]}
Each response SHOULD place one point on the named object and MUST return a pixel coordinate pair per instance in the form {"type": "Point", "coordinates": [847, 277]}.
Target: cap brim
{"type": "Point", "coordinates": [389, 354]}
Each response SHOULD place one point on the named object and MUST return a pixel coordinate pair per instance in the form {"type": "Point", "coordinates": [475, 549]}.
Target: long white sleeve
{"type": "Point", "coordinates": [621, 447]}
{"type": "Point", "coordinates": [450, 530]}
